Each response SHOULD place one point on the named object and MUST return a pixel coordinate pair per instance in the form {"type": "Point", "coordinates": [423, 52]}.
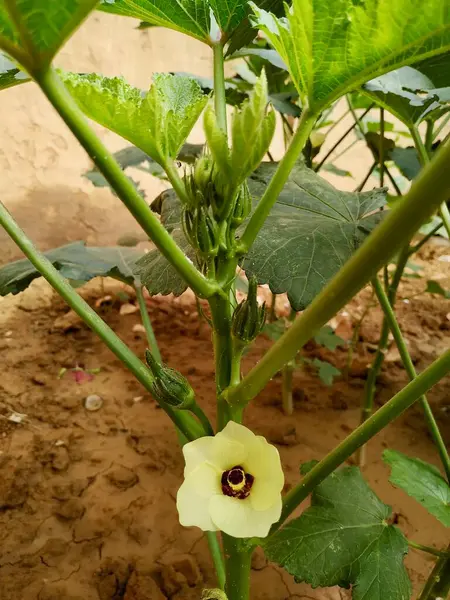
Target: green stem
{"type": "Point", "coordinates": [378, 421]}
{"type": "Point", "coordinates": [429, 135]}
{"type": "Point", "coordinates": [184, 421]}
{"type": "Point", "coordinates": [217, 556]}
{"type": "Point", "coordinates": [425, 159]}
{"type": "Point", "coordinates": [145, 317]}
{"type": "Point", "coordinates": [424, 240]}
{"type": "Point", "coordinates": [437, 586]}
{"type": "Point", "coordinates": [400, 224]}
{"type": "Point", "coordinates": [375, 367]}
{"type": "Point", "coordinates": [273, 190]}
{"type": "Point", "coordinates": [220, 103]}
{"type": "Point", "coordinates": [346, 133]}
{"type": "Point", "coordinates": [439, 129]}
{"type": "Point", "coordinates": [429, 549]}
{"type": "Point", "coordinates": [286, 389]}
{"type": "Point", "coordinates": [176, 181]}
{"type": "Point", "coordinates": [366, 178]}
{"type": "Point", "coordinates": [223, 354]}
{"type": "Point", "coordinates": [66, 106]}
{"type": "Point", "coordinates": [398, 191]}
{"type": "Point", "coordinates": [238, 562]}
{"type": "Point", "coordinates": [198, 412]}
{"type": "Point", "coordinates": [381, 148]}
{"type": "Point", "coordinates": [411, 371]}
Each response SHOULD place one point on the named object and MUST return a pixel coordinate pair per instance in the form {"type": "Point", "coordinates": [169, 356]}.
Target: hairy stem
{"type": "Point", "coordinates": [425, 159]}
{"type": "Point", "coordinates": [66, 106]}
{"type": "Point", "coordinates": [217, 556]}
{"type": "Point", "coordinates": [393, 233]}
{"type": "Point", "coordinates": [176, 181]}
{"type": "Point", "coordinates": [385, 415]}
{"type": "Point", "coordinates": [220, 103]}
{"type": "Point", "coordinates": [429, 549]}
{"type": "Point", "coordinates": [145, 318]}
{"type": "Point", "coordinates": [183, 420]}
{"type": "Point", "coordinates": [411, 371]}
{"type": "Point", "coordinates": [375, 368]}
{"type": "Point", "coordinates": [273, 190]}
{"type": "Point", "coordinates": [437, 586]}
{"type": "Point", "coordinates": [238, 563]}
{"type": "Point", "coordinates": [346, 133]}
{"type": "Point", "coordinates": [286, 389]}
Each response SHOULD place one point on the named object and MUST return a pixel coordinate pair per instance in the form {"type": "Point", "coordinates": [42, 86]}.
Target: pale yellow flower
{"type": "Point", "coordinates": [232, 482]}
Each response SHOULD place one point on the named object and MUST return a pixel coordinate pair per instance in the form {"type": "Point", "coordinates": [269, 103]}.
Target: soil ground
{"type": "Point", "coordinates": [87, 499]}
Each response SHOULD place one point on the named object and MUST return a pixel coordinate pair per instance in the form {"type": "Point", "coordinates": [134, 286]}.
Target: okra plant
{"type": "Point", "coordinates": [285, 226]}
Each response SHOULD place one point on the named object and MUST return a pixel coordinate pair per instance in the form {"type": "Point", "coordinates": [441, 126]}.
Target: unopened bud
{"type": "Point", "coordinates": [169, 386]}
{"type": "Point", "coordinates": [249, 317]}
{"type": "Point", "coordinates": [243, 205]}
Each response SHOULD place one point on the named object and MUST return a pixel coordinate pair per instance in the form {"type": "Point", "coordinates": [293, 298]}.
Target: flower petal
{"type": "Point", "coordinates": [197, 452]}
{"type": "Point", "coordinates": [263, 462]}
{"type": "Point", "coordinates": [239, 519]}
{"type": "Point", "coordinates": [194, 496]}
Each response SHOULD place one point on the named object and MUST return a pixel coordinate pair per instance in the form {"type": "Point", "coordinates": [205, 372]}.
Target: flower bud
{"type": "Point", "coordinates": [242, 206]}
{"type": "Point", "coordinates": [248, 317]}
{"type": "Point", "coordinates": [206, 233]}
{"type": "Point", "coordinates": [169, 386]}
{"type": "Point", "coordinates": [203, 171]}
{"type": "Point", "coordinates": [214, 595]}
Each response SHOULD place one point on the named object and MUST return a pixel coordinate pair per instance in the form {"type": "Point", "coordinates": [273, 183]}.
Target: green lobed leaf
{"type": "Point", "coordinates": [191, 17]}
{"type": "Point", "coordinates": [157, 122]}
{"type": "Point", "coordinates": [326, 337]}
{"type": "Point", "coordinates": [245, 32]}
{"type": "Point", "coordinates": [326, 371]}
{"type": "Point", "coordinates": [344, 539]}
{"type": "Point", "coordinates": [32, 31]}
{"type": "Point", "coordinates": [159, 275]}
{"type": "Point", "coordinates": [421, 481]}
{"type": "Point", "coordinates": [74, 261]}
{"type": "Point", "coordinates": [331, 48]}
{"type": "Point", "coordinates": [406, 160]}
{"type": "Point", "coordinates": [312, 230]}
{"type": "Point", "coordinates": [10, 74]}
{"type": "Point", "coordinates": [434, 287]}
{"type": "Point", "coordinates": [408, 93]}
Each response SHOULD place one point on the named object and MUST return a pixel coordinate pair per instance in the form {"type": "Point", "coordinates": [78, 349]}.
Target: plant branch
{"type": "Point", "coordinates": [399, 225]}
{"type": "Point", "coordinates": [220, 103]}
{"type": "Point", "coordinates": [273, 190]}
{"type": "Point", "coordinates": [341, 139]}
{"type": "Point", "coordinates": [217, 556]}
{"type": "Point", "coordinates": [411, 371]}
{"type": "Point", "coordinates": [176, 181]}
{"type": "Point", "coordinates": [437, 586]}
{"type": "Point", "coordinates": [381, 148]}
{"type": "Point", "coordinates": [424, 240]}
{"type": "Point", "coordinates": [145, 318]}
{"type": "Point", "coordinates": [238, 562]}
{"type": "Point", "coordinates": [429, 549]}
{"type": "Point", "coordinates": [185, 422]}
{"type": "Point", "coordinates": [442, 125]}
{"type": "Point", "coordinates": [425, 159]}
{"type": "Point", "coordinates": [378, 421]}
{"type": "Point", "coordinates": [66, 106]}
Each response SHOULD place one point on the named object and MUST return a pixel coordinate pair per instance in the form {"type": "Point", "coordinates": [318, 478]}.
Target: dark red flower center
{"type": "Point", "coordinates": [237, 483]}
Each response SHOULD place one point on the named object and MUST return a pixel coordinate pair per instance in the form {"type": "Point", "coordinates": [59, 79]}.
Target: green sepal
{"type": "Point", "coordinates": [169, 386]}
{"type": "Point", "coordinates": [248, 317]}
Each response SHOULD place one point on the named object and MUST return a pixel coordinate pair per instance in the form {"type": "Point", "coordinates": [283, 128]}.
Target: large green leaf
{"type": "Point", "coordinates": [196, 18]}
{"type": "Point", "coordinates": [245, 32]}
{"type": "Point", "coordinates": [159, 275]}
{"type": "Point", "coordinates": [312, 230]}
{"type": "Point", "coordinates": [344, 539]}
{"type": "Point", "coordinates": [32, 31]}
{"type": "Point", "coordinates": [10, 74]}
{"type": "Point", "coordinates": [410, 94]}
{"type": "Point", "coordinates": [74, 261]}
{"type": "Point", "coordinates": [157, 122]}
{"type": "Point", "coordinates": [331, 48]}
{"type": "Point", "coordinates": [422, 481]}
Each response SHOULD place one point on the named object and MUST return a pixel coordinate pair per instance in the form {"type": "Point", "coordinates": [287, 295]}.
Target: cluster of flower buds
{"type": "Point", "coordinates": [248, 317]}
{"type": "Point", "coordinates": [213, 207]}
{"type": "Point", "coordinates": [169, 386]}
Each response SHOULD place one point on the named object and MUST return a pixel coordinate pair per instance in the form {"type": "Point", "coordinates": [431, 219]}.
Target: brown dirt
{"type": "Point", "coordinates": [87, 499]}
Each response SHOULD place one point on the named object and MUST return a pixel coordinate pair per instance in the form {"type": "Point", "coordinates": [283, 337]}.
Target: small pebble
{"type": "Point", "coordinates": [93, 403]}
{"type": "Point", "coordinates": [138, 328]}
